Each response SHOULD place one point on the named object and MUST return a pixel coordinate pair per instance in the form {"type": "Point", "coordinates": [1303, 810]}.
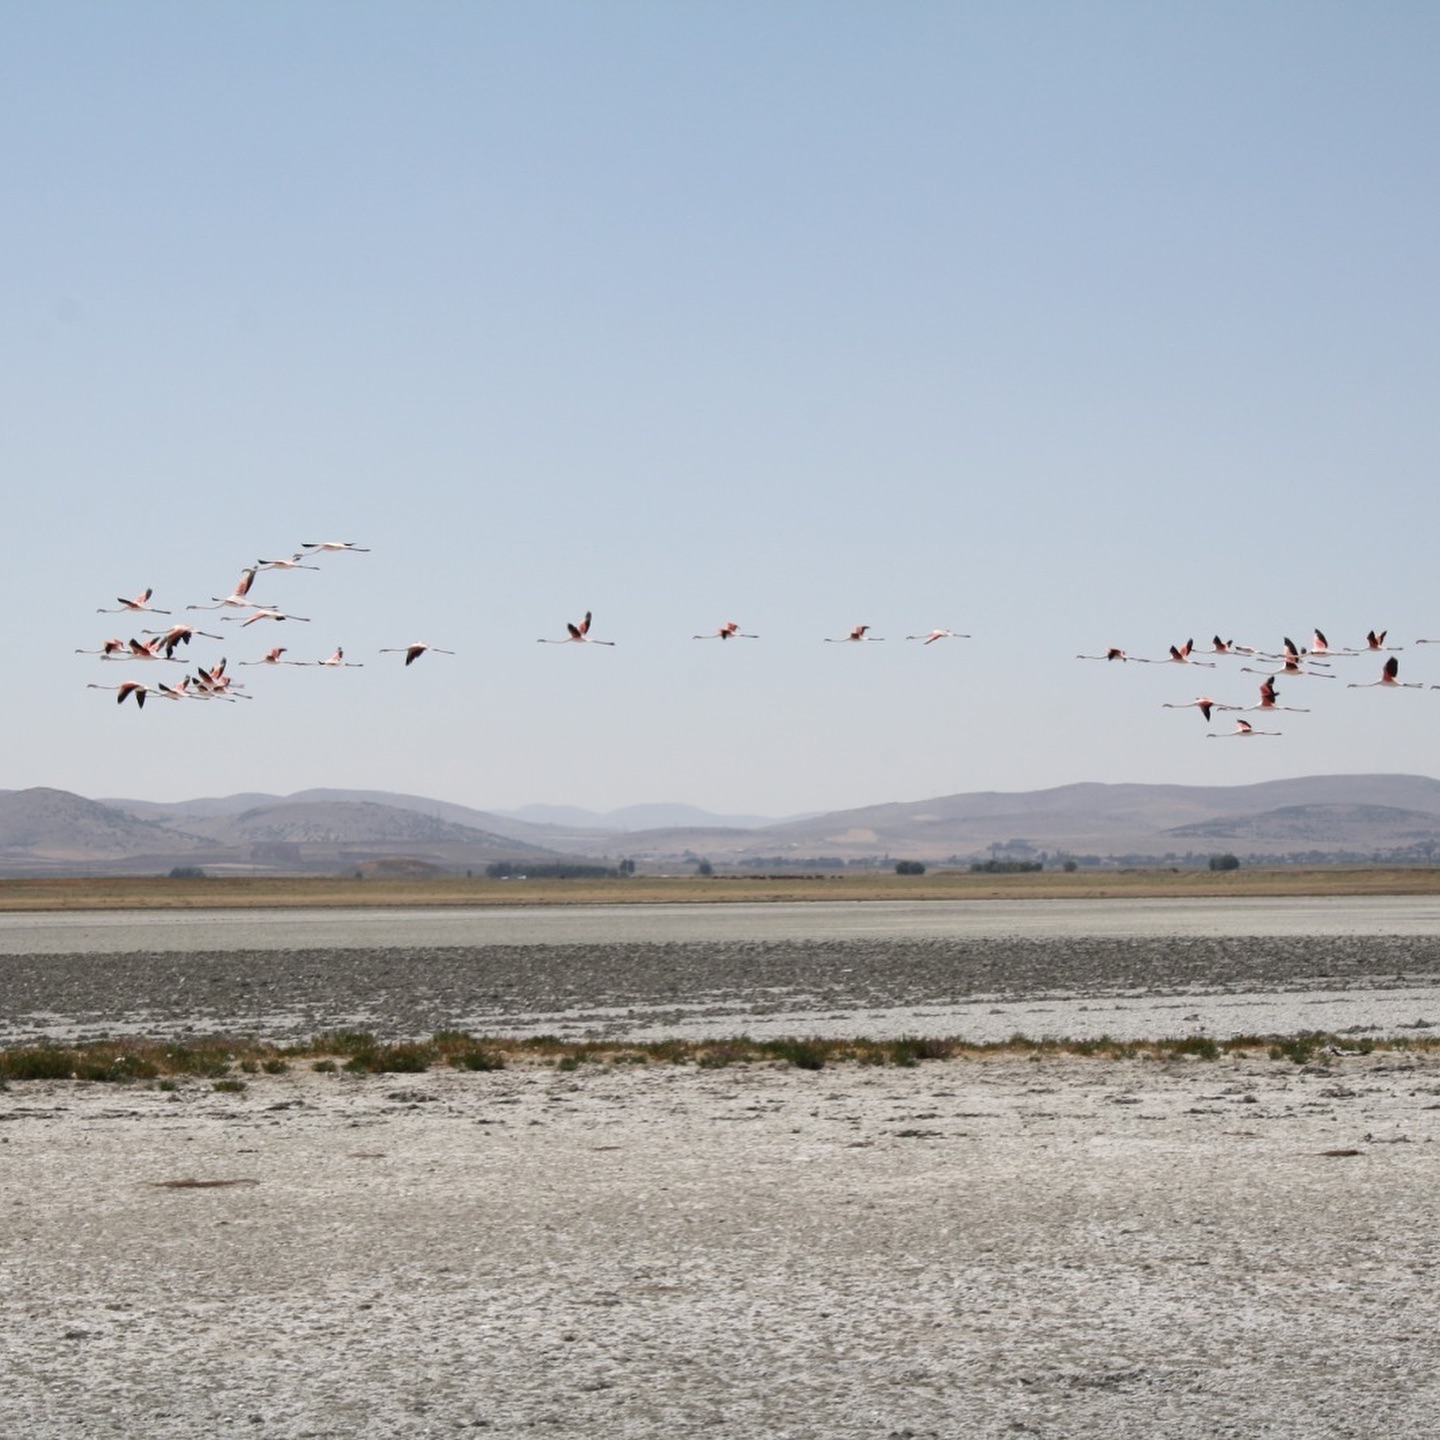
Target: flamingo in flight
{"type": "Point", "coordinates": [272, 657]}
{"type": "Point", "coordinates": [1319, 645]}
{"type": "Point", "coordinates": [730, 630]}
{"type": "Point", "coordinates": [316, 547]}
{"type": "Point", "coordinates": [1375, 641]}
{"type": "Point", "coordinates": [1203, 703]}
{"type": "Point", "coordinates": [1229, 647]}
{"type": "Point", "coordinates": [935, 635]}
{"type": "Point", "coordinates": [238, 598]}
{"type": "Point", "coordinates": [857, 632]}
{"type": "Point", "coordinates": [295, 562]}
{"type": "Point", "coordinates": [1243, 729]}
{"type": "Point", "coordinates": [1389, 679]}
{"type": "Point", "coordinates": [1268, 696]}
{"type": "Point", "coordinates": [129, 607]}
{"type": "Point", "coordinates": [413, 652]}
{"type": "Point", "coordinates": [177, 635]}
{"type": "Point", "coordinates": [1180, 655]}
{"type": "Point", "coordinates": [127, 688]}
{"type": "Point", "coordinates": [111, 649]}
{"type": "Point", "coordinates": [1290, 664]}
{"type": "Point", "coordinates": [138, 650]}
{"type": "Point", "coordinates": [1116, 653]}
{"type": "Point", "coordinates": [265, 612]}
{"type": "Point", "coordinates": [215, 684]}
{"type": "Point", "coordinates": [337, 661]}
{"type": "Point", "coordinates": [579, 635]}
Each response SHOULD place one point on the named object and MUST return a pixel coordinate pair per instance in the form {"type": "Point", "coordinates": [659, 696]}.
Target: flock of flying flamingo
{"type": "Point", "coordinates": [1291, 661]}
{"type": "Point", "coordinates": [1315, 661]}
{"type": "Point", "coordinates": [216, 683]}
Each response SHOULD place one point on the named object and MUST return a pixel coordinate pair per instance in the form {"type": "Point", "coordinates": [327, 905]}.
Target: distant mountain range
{"type": "Point", "coordinates": [1309, 820]}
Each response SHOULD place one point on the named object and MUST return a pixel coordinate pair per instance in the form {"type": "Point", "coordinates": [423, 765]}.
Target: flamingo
{"type": "Point", "coordinates": [140, 602]}
{"type": "Point", "coordinates": [214, 683]}
{"type": "Point", "coordinates": [1229, 647]}
{"type": "Point", "coordinates": [1377, 642]}
{"type": "Point", "coordinates": [111, 649]}
{"type": "Point", "coordinates": [127, 688]}
{"type": "Point", "coordinates": [1319, 645]}
{"type": "Point", "coordinates": [293, 563]}
{"type": "Point", "coordinates": [237, 599]}
{"type": "Point", "coordinates": [413, 652]}
{"type": "Point", "coordinates": [177, 635]}
{"type": "Point", "coordinates": [1243, 729]}
{"type": "Point", "coordinates": [1180, 655]}
{"type": "Point", "coordinates": [1388, 678]}
{"type": "Point", "coordinates": [730, 630]}
{"type": "Point", "coordinates": [337, 661]}
{"type": "Point", "coordinates": [579, 635]}
{"type": "Point", "coordinates": [265, 612]}
{"type": "Point", "coordinates": [1203, 703]}
{"type": "Point", "coordinates": [857, 632]}
{"type": "Point", "coordinates": [138, 650]}
{"type": "Point", "coordinates": [1268, 696]}
{"type": "Point", "coordinates": [272, 657]}
{"type": "Point", "coordinates": [1290, 665]}
{"type": "Point", "coordinates": [316, 547]}
{"type": "Point", "coordinates": [1116, 653]}
{"type": "Point", "coordinates": [935, 635]}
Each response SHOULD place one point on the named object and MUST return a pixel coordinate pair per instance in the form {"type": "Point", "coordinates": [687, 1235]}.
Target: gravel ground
{"type": "Point", "coordinates": [611, 991]}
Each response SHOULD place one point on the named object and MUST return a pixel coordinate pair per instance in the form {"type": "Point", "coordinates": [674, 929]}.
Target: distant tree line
{"type": "Point", "coordinates": [1006, 867]}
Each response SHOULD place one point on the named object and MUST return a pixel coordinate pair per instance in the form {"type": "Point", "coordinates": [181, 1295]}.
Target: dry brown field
{"type": "Point", "coordinates": [162, 892]}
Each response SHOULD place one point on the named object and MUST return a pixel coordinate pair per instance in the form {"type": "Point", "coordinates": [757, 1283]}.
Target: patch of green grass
{"type": "Point", "coordinates": [476, 1057]}
{"type": "Point", "coordinates": [406, 1058]}
{"type": "Point", "coordinates": [802, 1054]}
{"type": "Point", "coordinates": [1202, 1047]}
{"type": "Point", "coordinates": [39, 1062]}
{"type": "Point", "coordinates": [229, 1087]}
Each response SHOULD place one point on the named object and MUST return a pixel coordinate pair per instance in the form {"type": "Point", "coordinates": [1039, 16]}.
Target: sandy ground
{"type": "Point", "coordinates": [1060, 1247]}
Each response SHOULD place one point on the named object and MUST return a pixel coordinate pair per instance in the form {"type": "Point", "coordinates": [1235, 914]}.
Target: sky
{"type": "Point", "coordinates": [1064, 325]}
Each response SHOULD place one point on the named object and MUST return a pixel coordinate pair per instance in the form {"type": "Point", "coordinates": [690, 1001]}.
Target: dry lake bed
{"type": "Point", "coordinates": [1013, 1244]}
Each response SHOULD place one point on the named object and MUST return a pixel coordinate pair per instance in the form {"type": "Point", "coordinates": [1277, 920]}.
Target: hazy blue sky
{"type": "Point", "coordinates": [1066, 325]}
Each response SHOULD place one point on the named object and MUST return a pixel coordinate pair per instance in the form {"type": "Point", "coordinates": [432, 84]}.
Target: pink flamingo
{"type": "Point", "coordinates": [1203, 703]}
{"type": "Point", "coordinates": [935, 635]}
{"type": "Point", "coordinates": [857, 632]}
{"type": "Point", "coordinates": [730, 630]}
{"type": "Point", "coordinates": [177, 635]}
{"type": "Point", "coordinates": [140, 602]}
{"type": "Point", "coordinates": [1243, 729]}
{"type": "Point", "coordinates": [126, 688]}
{"type": "Point", "coordinates": [238, 598]}
{"type": "Point", "coordinates": [413, 652]}
{"type": "Point", "coordinates": [293, 563]}
{"type": "Point", "coordinates": [1268, 696]}
{"type": "Point", "coordinates": [1388, 679]}
{"type": "Point", "coordinates": [579, 635]}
